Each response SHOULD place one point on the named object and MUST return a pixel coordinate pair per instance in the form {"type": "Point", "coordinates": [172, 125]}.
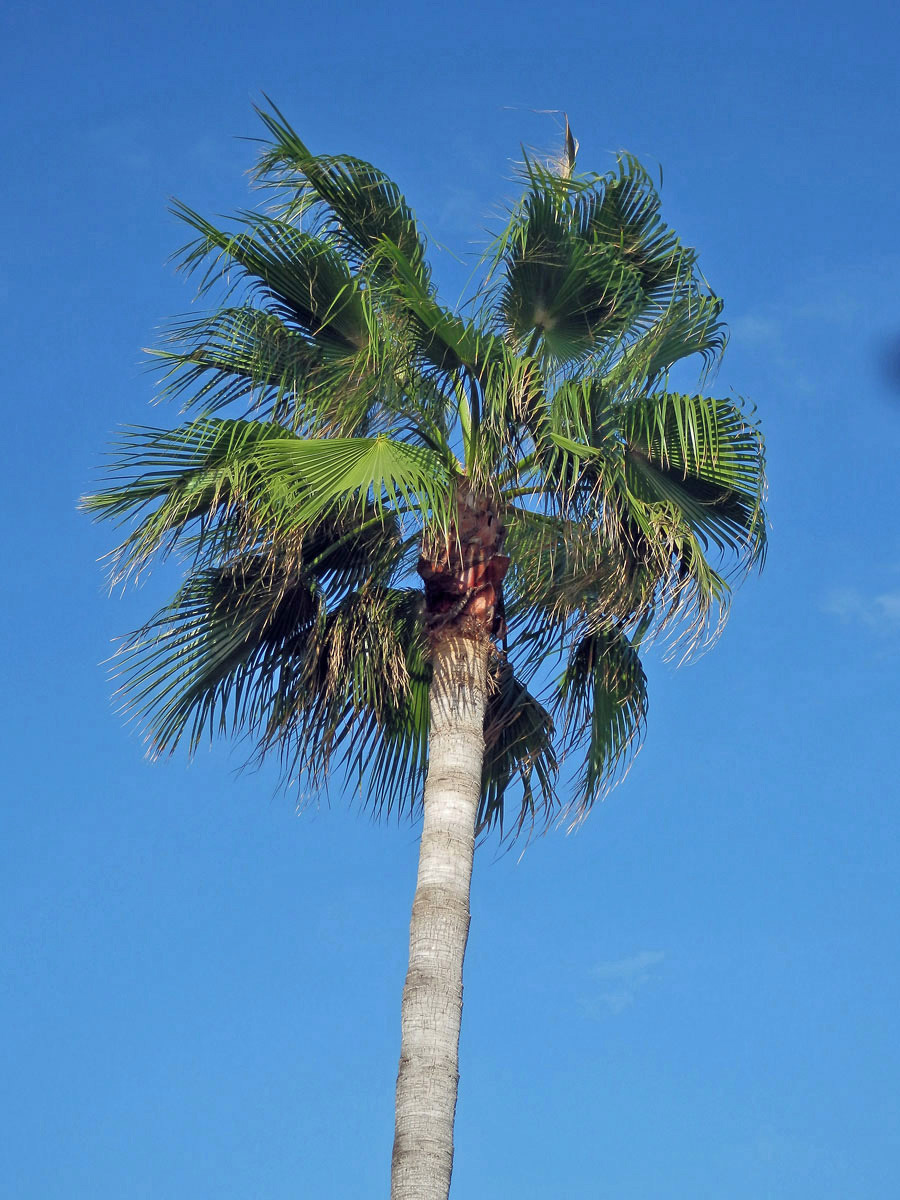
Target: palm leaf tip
{"type": "Point", "coordinates": [570, 150]}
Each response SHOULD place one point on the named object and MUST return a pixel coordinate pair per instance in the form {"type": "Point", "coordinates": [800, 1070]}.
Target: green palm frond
{"type": "Point", "coordinates": [240, 354]}
{"type": "Point", "coordinates": [636, 496]}
{"type": "Point", "coordinates": [354, 204]}
{"type": "Point", "coordinates": [690, 325]}
{"type": "Point", "coordinates": [245, 356]}
{"type": "Point", "coordinates": [282, 483]}
{"type": "Point", "coordinates": [310, 477]}
{"type": "Point", "coordinates": [563, 577]}
{"type": "Point", "coordinates": [210, 662]}
{"type": "Point", "coordinates": [603, 706]}
{"type": "Point", "coordinates": [254, 648]}
{"type": "Point", "coordinates": [560, 289]}
{"type": "Point", "coordinates": [442, 338]}
{"type": "Point", "coordinates": [194, 474]}
{"type": "Point", "coordinates": [301, 278]}
{"type": "Point", "coordinates": [587, 260]}
{"type": "Point", "coordinates": [519, 750]}
{"type": "Point", "coordinates": [622, 211]}
{"type": "Point", "coordinates": [705, 457]}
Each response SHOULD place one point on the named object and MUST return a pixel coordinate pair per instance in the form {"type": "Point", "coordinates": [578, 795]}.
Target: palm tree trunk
{"type": "Point", "coordinates": [432, 998]}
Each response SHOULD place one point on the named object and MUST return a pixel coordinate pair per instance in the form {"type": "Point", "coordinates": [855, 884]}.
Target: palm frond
{"type": "Point", "coordinates": [210, 662]}
{"type": "Point", "coordinates": [587, 260]}
{"type": "Point", "coordinates": [602, 702]}
{"type": "Point", "coordinates": [561, 290]}
{"type": "Point", "coordinates": [250, 357]}
{"type": "Point", "coordinates": [354, 204]}
{"type": "Point", "coordinates": [233, 355]}
{"type": "Point", "coordinates": [443, 339]}
{"type": "Point", "coordinates": [622, 211]}
{"type": "Point", "coordinates": [520, 752]}
{"type": "Point", "coordinates": [309, 477]}
{"type": "Point", "coordinates": [192, 474]}
{"type": "Point", "coordinates": [298, 276]}
{"type": "Point", "coordinates": [690, 325]}
{"type": "Point", "coordinates": [706, 457]}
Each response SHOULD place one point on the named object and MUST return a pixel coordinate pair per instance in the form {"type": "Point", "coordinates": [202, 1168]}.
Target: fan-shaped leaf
{"type": "Point", "coordinates": [360, 204]}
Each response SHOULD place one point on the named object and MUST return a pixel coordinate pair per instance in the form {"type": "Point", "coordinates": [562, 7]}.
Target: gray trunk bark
{"type": "Point", "coordinates": [432, 998]}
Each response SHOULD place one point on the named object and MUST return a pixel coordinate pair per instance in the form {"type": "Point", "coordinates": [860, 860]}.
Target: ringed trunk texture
{"type": "Point", "coordinates": [432, 997]}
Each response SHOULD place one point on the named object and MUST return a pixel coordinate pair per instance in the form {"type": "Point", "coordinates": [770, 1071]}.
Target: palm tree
{"type": "Point", "coordinates": [426, 545]}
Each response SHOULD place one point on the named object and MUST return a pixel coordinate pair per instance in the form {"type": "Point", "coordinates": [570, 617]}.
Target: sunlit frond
{"type": "Point", "coordinates": [354, 204]}
{"type": "Point", "coordinates": [310, 477]}
{"type": "Point", "coordinates": [707, 458]}
{"type": "Point", "coordinates": [164, 481]}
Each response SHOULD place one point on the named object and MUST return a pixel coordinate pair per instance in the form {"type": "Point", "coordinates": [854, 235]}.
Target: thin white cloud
{"type": "Point", "coordinates": [880, 612]}
{"type": "Point", "coordinates": [771, 332]}
{"type": "Point", "coordinates": [757, 329]}
{"type": "Point", "coordinates": [632, 968]}
{"type": "Point", "coordinates": [840, 297]}
{"type": "Point", "coordinates": [621, 979]}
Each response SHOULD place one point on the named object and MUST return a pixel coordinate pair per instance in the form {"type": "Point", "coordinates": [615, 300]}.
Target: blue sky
{"type": "Point", "coordinates": [696, 994]}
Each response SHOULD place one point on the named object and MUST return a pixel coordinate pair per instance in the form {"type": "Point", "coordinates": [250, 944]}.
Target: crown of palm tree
{"type": "Point", "coordinates": [373, 419]}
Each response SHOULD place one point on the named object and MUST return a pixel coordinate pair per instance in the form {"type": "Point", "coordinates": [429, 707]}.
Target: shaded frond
{"type": "Point", "coordinates": [622, 211]}
{"type": "Point", "coordinates": [210, 662]}
{"type": "Point", "coordinates": [298, 276]}
{"type": "Point", "coordinates": [358, 696]}
{"type": "Point", "coordinates": [603, 705]}
{"type": "Point", "coordinates": [561, 291]}
{"type": "Point", "coordinates": [519, 753]}
{"type": "Point", "coordinates": [236, 354]}
{"type": "Point", "coordinates": [586, 260]}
